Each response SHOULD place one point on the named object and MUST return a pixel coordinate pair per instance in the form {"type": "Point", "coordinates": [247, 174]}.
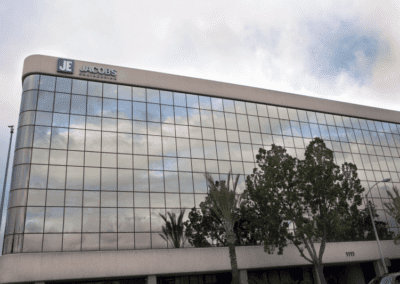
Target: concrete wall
{"type": "Point", "coordinates": [97, 264]}
{"type": "Point", "coordinates": [40, 64]}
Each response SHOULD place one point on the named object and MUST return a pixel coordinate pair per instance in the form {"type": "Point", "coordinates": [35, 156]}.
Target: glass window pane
{"type": "Point", "coordinates": [275, 126]}
{"type": "Point", "coordinates": [181, 116]}
{"type": "Point", "coordinates": [90, 241]}
{"type": "Point", "coordinates": [141, 180]}
{"type": "Point", "coordinates": [27, 118]}
{"type": "Point", "coordinates": [34, 220]}
{"type": "Point", "coordinates": [109, 142]}
{"type": "Point", "coordinates": [59, 138]}
{"type": "Point", "coordinates": [142, 220]}
{"type": "Point", "coordinates": [31, 82]}
{"type": "Point", "coordinates": [205, 102]}
{"type": "Point", "coordinates": [47, 83]}
{"type": "Point", "coordinates": [38, 177]}
{"type": "Point", "coordinates": [76, 139]}
{"type": "Point", "coordinates": [194, 117]}
{"type": "Point", "coordinates": [153, 112]}
{"type": "Point", "coordinates": [78, 105]}
{"type": "Point", "coordinates": [108, 220]}
{"type": "Point", "coordinates": [59, 120]}
{"type": "Point", "coordinates": [92, 178]}
{"type": "Point", "coordinates": [75, 158]}
{"type": "Point", "coordinates": [91, 199]}
{"type": "Point", "coordinates": [79, 87]}
{"type": "Point", "coordinates": [33, 243]}
{"type": "Point", "coordinates": [94, 106]}
{"type": "Point", "coordinates": [124, 92]}
{"type": "Point", "coordinates": [40, 156]}
{"type": "Point", "coordinates": [42, 137]}
{"type": "Point", "coordinates": [54, 219]}
{"type": "Point", "coordinates": [172, 200]}
{"type": "Point", "coordinates": [171, 181]}
{"type": "Point", "coordinates": [29, 100]}
{"type": "Point", "coordinates": [110, 108]}
{"type": "Point", "coordinates": [62, 102]}
{"type": "Point", "coordinates": [55, 198]}
{"type": "Point", "coordinates": [109, 179]}
{"type": "Point", "coordinates": [206, 118]}
{"type": "Point", "coordinates": [73, 198]}
{"type": "Point", "coordinates": [43, 118]}
{"type": "Point", "coordinates": [139, 94]}
{"type": "Point", "coordinates": [91, 220]}
{"type": "Point", "coordinates": [186, 182]}
{"type": "Point", "coordinates": [36, 197]}
{"type": "Point", "coordinates": [240, 107]}
{"type": "Point", "coordinates": [192, 101]}
{"type": "Point", "coordinates": [153, 96]}
{"type": "Point", "coordinates": [56, 177]}
{"type": "Point", "coordinates": [110, 91]}
{"type": "Point", "coordinates": [108, 199]}
{"type": "Point", "coordinates": [72, 220]}
{"type": "Point", "coordinates": [52, 242]}
{"type": "Point", "coordinates": [71, 242]}
{"type": "Point", "coordinates": [139, 111]}
{"type": "Point", "coordinates": [125, 220]}
{"type": "Point", "coordinates": [141, 199]}
{"type": "Point", "coordinates": [95, 89]}
{"type": "Point", "coordinates": [20, 177]}
{"type": "Point", "coordinates": [166, 98]}
{"type": "Point", "coordinates": [63, 85]}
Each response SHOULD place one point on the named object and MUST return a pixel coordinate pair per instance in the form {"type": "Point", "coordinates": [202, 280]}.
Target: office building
{"type": "Point", "coordinates": [102, 150]}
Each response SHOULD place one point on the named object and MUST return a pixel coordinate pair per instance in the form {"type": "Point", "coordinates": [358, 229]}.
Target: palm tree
{"type": "Point", "coordinates": [393, 209]}
{"type": "Point", "coordinates": [173, 229]}
{"type": "Point", "coordinates": [224, 202]}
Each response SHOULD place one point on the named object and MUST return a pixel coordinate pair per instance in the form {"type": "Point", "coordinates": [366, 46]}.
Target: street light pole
{"type": "Point", "coordinates": [5, 176]}
{"type": "Point", "coordinates": [373, 224]}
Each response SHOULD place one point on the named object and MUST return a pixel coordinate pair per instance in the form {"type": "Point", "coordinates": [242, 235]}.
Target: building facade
{"type": "Point", "coordinates": [101, 151]}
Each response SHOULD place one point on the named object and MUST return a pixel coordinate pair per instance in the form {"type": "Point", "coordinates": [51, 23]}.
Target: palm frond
{"type": "Point", "coordinates": [173, 229]}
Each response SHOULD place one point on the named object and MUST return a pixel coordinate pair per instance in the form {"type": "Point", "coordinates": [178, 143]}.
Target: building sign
{"type": "Point", "coordinates": [65, 65]}
{"type": "Point", "coordinates": [98, 72]}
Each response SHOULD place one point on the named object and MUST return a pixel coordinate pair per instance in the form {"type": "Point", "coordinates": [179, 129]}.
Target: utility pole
{"type": "Point", "coordinates": [5, 176]}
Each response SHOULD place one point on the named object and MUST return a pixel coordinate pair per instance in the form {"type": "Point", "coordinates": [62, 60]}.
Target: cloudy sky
{"type": "Point", "coordinates": [339, 50]}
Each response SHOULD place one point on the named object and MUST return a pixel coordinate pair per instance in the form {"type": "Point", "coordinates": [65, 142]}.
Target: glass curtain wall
{"type": "Point", "coordinates": [95, 163]}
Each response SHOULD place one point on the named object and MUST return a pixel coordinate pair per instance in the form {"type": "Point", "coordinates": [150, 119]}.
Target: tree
{"type": "Point", "coordinates": [224, 202]}
{"type": "Point", "coordinates": [393, 209]}
{"type": "Point", "coordinates": [361, 228]}
{"type": "Point", "coordinates": [173, 231]}
{"type": "Point", "coordinates": [314, 194]}
{"type": "Point", "coordinates": [203, 225]}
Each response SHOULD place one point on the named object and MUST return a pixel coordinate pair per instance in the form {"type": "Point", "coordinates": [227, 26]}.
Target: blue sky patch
{"type": "Point", "coordinates": [342, 46]}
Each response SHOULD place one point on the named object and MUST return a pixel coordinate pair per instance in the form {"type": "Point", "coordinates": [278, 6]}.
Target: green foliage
{"type": "Point", "coordinates": [361, 228]}
{"type": "Point", "coordinates": [173, 230]}
{"type": "Point", "coordinates": [314, 194]}
{"type": "Point", "coordinates": [203, 225]}
{"type": "Point", "coordinates": [393, 209]}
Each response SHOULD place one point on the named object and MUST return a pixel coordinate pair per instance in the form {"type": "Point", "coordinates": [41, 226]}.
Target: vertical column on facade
{"type": "Point", "coordinates": [355, 274]}
{"type": "Point", "coordinates": [285, 276]}
{"type": "Point", "coordinates": [151, 279]}
{"type": "Point", "coordinates": [379, 269]}
{"type": "Point", "coordinates": [307, 274]}
{"type": "Point", "coordinates": [243, 276]}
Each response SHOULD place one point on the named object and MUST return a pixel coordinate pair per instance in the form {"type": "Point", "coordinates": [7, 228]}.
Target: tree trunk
{"type": "Point", "coordinates": [320, 274]}
{"type": "Point", "coordinates": [232, 256]}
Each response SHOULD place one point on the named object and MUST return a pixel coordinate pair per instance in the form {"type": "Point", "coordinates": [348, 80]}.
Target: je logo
{"type": "Point", "coordinates": [65, 65]}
